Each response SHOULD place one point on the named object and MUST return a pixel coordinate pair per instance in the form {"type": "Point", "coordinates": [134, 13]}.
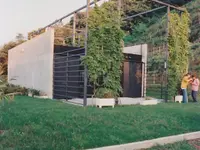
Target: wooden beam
{"type": "Point", "coordinates": [86, 47]}
{"type": "Point", "coordinates": [75, 11]}
{"type": "Point", "coordinates": [142, 13]}
{"type": "Point", "coordinates": [74, 30]}
{"type": "Point", "coordinates": [169, 5]}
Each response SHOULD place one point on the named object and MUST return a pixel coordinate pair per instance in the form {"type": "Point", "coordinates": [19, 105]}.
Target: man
{"type": "Point", "coordinates": [195, 88]}
{"type": "Point", "coordinates": [184, 84]}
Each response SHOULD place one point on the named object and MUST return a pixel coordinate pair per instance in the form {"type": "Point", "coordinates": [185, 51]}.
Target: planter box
{"type": "Point", "coordinates": [129, 101]}
{"type": "Point", "coordinates": [30, 94]}
{"type": "Point", "coordinates": [179, 98]}
{"type": "Point", "coordinates": [105, 102]}
{"type": "Point", "coordinates": [149, 102]}
{"type": "Point", "coordinates": [42, 97]}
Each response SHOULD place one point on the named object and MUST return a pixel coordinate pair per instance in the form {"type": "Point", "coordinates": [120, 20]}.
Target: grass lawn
{"type": "Point", "coordinates": [30, 123]}
{"type": "Point", "coordinates": [154, 94]}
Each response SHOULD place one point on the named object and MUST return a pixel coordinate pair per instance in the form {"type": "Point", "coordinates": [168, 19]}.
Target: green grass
{"type": "Point", "coordinates": [154, 94]}
{"type": "Point", "coordinates": [176, 146]}
{"type": "Point", "coordinates": [45, 124]}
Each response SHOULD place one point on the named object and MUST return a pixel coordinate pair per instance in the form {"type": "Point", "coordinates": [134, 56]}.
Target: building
{"type": "Point", "coordinates": [57, 70]}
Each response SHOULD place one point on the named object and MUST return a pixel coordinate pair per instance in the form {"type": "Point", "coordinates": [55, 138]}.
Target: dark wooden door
{"type": "Point", "coordinates": [132, 78]}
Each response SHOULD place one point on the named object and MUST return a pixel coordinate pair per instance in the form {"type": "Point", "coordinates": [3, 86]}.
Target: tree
{"type": "Point", "coordinates": [104, 56]}
{"type": "Point", "coordinates": [20, 38]}
{"type": "Point", "coordinates": [178, 43]}
{"type": "Point", "coordinates": [80, 20]}
{"type": "Point", "coordinates": [62, 35]}
{"type": "Point", "coordinates": [35, 33]}
{"type": "Point", "coordinates": [4, 56]}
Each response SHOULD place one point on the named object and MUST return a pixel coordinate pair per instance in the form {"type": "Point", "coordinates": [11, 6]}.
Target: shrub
{"type": "Point", "coordinates": [10, 88]}
{"type": "Point", "coordinates": [34, 92]}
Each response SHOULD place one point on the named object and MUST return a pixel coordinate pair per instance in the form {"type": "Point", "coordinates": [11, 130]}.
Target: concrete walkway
{"type": "Point", "coordinates": [151, 143]}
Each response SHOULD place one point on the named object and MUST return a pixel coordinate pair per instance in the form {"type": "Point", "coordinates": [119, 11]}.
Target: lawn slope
{"type": "Point", "coordinates": [31, 123]}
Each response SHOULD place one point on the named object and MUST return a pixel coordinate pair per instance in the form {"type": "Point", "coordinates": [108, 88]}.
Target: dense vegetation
{"type": "Point", "coordinates": [152, 27]}
{"type": "Point", "coordinates": [178, 46]}
{"type": "Point", "coordinates": [104, 56]}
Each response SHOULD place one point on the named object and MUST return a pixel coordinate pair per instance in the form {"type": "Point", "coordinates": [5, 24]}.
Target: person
{"type": "Point", "coordinates": [195, 88]}
{"type": "Point", "coordinates": [184, 84]}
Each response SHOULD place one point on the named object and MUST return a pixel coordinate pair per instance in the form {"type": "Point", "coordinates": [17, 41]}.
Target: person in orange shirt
{"type": "Point", "coordinates": [184, 84]}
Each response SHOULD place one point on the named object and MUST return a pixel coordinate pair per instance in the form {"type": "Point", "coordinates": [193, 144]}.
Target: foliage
{"type": "Point", "coordinates": [35, 33]}
{"type": "Point", "coordinates": [194, 59]}
{"type": "Point", "coordinates": [4, 55]}
{"type": "Point", "coordinates": [104, 56]}
{"type": "Point", "coordinates": [10, 88]}
{"type": "Point", "coordinates": [155, 64]}
{"type": "Point", "coordinates": [156, 24]}
{"type": "Point", "coordinates": [4, 97]}
{"type": "Point", "coordinates": [178, 45]}
{"type": "Point", "coordinates": [34, 92]}
{"type": "Point", "coordinates": [151, 30]}
{"type": "Point", "coordinates": [137, 34]}
{"type": "Point", "coordinates": [20, 38]}
{"type": "Point", "coordinates": [80, 20]}
{"type": "Point", "coordinates": [61, 33]}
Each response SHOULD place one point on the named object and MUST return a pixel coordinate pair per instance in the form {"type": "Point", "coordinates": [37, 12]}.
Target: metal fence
{"type": "Point", "coordinates": [68, 72]}
{"type": "Point", "coordinates": [156, 72]}
{"type": "Point", "coordinates": [74, 82]}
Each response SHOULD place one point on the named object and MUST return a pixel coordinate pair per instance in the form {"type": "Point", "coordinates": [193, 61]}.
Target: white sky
{"type": "Point", "coordinates": [23, 16]}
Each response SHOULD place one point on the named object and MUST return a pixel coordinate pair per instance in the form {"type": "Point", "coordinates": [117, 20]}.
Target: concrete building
{"type": "Point", "coordinates": [41, 65]}
{"type": "Point", "coordinates": [31, 64]}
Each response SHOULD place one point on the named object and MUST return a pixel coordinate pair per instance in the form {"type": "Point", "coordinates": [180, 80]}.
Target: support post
{"type": "Point", "coordinates": [85, 67]}
{"type": "Point", "coordinates": [119, 10]}
{"type": "Point", "coordinates": [74, 30]}
{"type": "Point", "coordinates": [168, 5]}
{"type": "Point", "coordinates": [166, 53]}
{"type": "Point", "coordinates": [119, 6]}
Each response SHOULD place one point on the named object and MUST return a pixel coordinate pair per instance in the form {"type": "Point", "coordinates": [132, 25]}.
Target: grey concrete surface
{"type": "Point", "coordinates": [151, 143]}
{"type": "Point", "coordinates": [31, 63]}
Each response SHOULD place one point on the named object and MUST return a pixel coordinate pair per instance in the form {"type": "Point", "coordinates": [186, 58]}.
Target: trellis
{"type": "Point", "coordinates": [85, 32]}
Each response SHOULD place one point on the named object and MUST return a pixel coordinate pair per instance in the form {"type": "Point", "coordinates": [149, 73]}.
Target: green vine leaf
{"type": "Point", "coordinates": [105, 50]}
{"type": "Point", "coordinates": [178, 44]}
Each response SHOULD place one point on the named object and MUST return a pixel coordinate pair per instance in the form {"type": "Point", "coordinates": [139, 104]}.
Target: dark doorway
{"type": "Point", "coordinates": [132, 76]}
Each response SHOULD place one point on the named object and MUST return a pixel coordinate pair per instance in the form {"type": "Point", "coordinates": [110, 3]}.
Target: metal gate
{"type": "Point", "coordinates": [68, 79]}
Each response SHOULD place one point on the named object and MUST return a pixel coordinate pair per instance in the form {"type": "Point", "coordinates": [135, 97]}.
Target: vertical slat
{"type": "Point", "coordinates": [126, 78]}
{"type": "Point", "coordinates": [86, 40]}
{"type": "Point", "coordinates": [166, 53]}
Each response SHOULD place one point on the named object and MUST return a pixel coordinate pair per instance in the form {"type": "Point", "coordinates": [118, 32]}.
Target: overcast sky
{"type": "Point", "coordinates": [23, 16]}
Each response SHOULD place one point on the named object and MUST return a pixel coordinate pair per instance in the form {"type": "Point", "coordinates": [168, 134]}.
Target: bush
{"type": "Point", "coordinates": [10, 88]}
{"type": "Point", "coordinates": [34, 92]}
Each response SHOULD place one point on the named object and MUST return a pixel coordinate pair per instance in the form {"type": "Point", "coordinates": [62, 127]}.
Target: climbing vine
{"type": "Point", "coordinates": [104, 56]}
{"type": "Point", "coordinates": [178, 44]}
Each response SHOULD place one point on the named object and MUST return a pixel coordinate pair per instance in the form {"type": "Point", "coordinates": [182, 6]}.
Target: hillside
{"type": "Point", "coordinates": [152, 29]}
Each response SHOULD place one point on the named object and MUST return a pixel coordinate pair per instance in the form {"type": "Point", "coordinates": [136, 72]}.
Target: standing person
{"type": "Point", "coordinates": [184, 84]}
{"type": "Point", "coordinates": [195, 88]}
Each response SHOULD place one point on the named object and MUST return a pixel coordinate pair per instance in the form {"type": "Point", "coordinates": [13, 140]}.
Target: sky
{"type": "Point", "coordinates": [23, 16]}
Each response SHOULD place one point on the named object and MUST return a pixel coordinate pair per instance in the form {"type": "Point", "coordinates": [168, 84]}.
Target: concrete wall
{"type": "Point", "coordinates": [140, 50]}
{"type": "Point", "coordinates": [31, 63]}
